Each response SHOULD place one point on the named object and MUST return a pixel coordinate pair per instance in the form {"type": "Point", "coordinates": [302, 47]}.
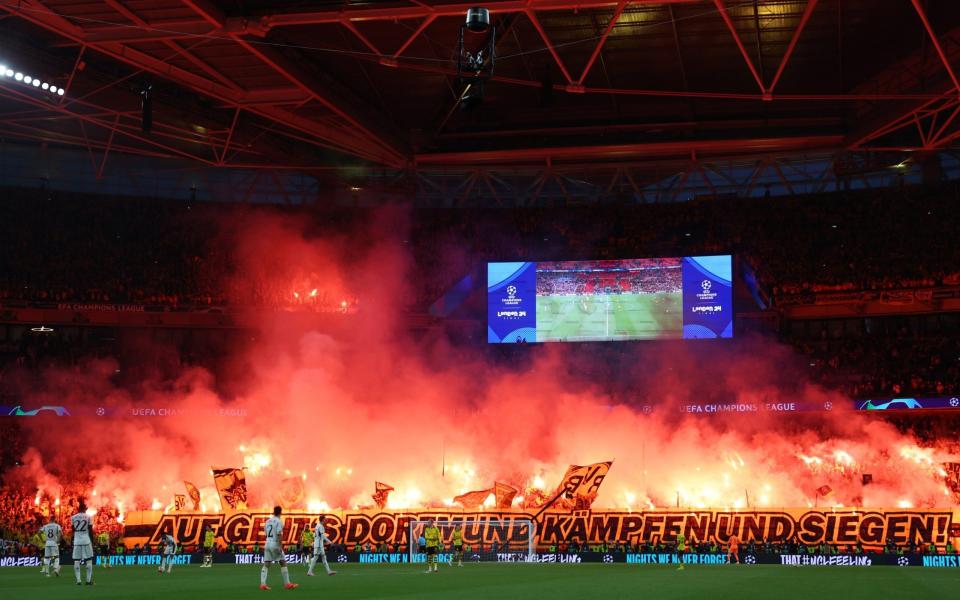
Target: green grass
{"type": "Point", "coordinates": [490, 581]}
{"type": "Point", "coordinates": [609, 316]}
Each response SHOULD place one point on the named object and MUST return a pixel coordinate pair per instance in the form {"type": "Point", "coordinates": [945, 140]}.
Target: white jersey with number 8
{"type": "Point", "coordinates": [51, 533]}
{"type": "Point", "coordinates": [81, 529]}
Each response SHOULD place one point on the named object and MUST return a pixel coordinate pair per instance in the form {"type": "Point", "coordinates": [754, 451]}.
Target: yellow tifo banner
{"type": "Point", "coordinates": [871, 528]}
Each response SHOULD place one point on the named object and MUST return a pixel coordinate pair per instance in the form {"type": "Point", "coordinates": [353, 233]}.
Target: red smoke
{"type": "Point", "coordinates": [434, 420]}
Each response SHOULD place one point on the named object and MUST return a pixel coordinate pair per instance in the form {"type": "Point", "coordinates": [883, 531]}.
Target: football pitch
{"type": "Point", "coordinates": [499, 581]}
{"type": "Point", "coordinates": [584, 318]}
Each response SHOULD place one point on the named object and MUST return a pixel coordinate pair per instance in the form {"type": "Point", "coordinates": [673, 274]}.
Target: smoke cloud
{"type": "Point", "coordinates": [367, 400]}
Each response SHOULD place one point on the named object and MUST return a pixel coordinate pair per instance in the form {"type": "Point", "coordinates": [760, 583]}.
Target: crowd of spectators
{"type": "Point", "coordinates": [23, 513]}
{"type": "Point", "coordinates": [82, 249]}
{"type": "Point", "coordinates": [608, 277]}
{"type": "Point", "coordinates": [895, 356]}
{"type": "Point", "coordinates": [70, 248]}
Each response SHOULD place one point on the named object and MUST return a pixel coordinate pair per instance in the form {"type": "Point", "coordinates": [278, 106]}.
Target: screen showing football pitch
{"type": "Point", "coordinates": [690, 297]}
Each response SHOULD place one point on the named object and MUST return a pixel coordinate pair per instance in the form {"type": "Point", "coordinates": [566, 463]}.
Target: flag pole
{"type": "Point", "coordinates": [549, 504]}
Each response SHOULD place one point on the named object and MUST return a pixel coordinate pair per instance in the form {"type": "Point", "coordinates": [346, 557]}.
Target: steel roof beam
{"type": "Point", "coordinates": [153, 32]}
{"type": "Point", "coordinates": [626, 151]}
{"type": "Point", "coordinates": [546, 40]}
{"type": "Point", "coordinates": [341, 140]}
{"type": "Point", "coordinates": [811, 4]}
{"type": "Point", "coordinates": [722, 9]}
{"type": "Point", "coordinates": [603, 39]}
{"type": "Point", "coordinates": [422, 10]}
{"type": "Point", "coordinates": [936, 44]}
{"type": "Point", "coordinates": [188, 56]}
{"type": "Point", "coordinates": [375, 136]}
{"type": "Point", "coordinates": [34, 100]}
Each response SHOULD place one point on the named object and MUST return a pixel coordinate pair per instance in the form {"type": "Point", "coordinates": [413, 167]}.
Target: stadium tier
{"type": "Point", "coordinates": [420, 299]}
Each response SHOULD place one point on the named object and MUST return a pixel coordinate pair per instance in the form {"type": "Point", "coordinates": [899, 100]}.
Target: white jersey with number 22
{"type": "Point", "coordinates": [274, 532]}
{"type": "Point", "coordinates": [81, 529]}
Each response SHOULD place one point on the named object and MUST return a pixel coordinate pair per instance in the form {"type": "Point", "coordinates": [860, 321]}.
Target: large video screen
{"type": "Point", "coordinates": [603, 300]}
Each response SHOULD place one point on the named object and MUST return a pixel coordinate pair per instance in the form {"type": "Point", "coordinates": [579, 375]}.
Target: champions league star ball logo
{"type": "Point", "coordinates": [903, 561]}
{"type": "Point", "coordinates": [749, 559]}
{"type": "Point", "coordinates": [342, 558]}
{"type": "Point", "coordinates": [706, 294]}
{"type": "Point", "coordinates": [954, 402]}
{"type": "Point", "coordinates": [512, 300]}
{"type": "Point", "coordinates": [607, 558]}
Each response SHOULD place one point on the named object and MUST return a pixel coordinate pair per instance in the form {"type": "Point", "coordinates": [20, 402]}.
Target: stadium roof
{"type": "Point", "coordinates": [591, 84]}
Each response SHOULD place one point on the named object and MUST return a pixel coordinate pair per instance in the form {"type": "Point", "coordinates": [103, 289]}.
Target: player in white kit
{"type": "Point", "coordinates": [51, 533]}
{"type": "Point", "coordinates": [319, 537]}
{"type": "Point", "coordinates": [169, 552]}
{"type": "Point", "coordinates": [273, 551]}
{"type": "Point", "coordinates": [82, 542]}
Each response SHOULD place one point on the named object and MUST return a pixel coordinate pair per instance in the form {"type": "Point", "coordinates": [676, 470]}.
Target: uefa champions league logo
{"type": "Point", "coordinates": [954, 402]}
{"type": "Point", "coordinates": [705, 294]}
{"type": "Point", "coordinates": [607, 558]}
{"type": "Point", "coordinates": [342, 558]}
{"type": "Point", "coordinates": [750, 559]}
{"type": "Point", "coordinates": [512, 299]}
{"type": "Point", "coordinates": [903, 561]}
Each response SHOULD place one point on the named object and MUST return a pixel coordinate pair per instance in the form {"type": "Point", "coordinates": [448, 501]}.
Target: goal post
{"type": "Point", "coordinates": [507, 540]}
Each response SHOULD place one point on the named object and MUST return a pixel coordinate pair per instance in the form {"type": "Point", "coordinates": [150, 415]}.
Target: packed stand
{"type": "Point", "coordinates": [73, 248]}
{"type": "Point", "coordinates": [889, 357]}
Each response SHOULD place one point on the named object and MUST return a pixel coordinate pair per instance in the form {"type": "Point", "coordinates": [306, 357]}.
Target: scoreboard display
{"type": "Point", "coordinates": [688, 297]}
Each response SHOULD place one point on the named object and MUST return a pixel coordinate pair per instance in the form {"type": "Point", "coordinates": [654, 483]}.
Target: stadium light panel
{"type": "Point", "coordinates": [30, 80]}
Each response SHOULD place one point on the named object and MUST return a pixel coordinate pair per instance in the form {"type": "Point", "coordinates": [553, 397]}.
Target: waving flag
{"type": "Point", "coordinates": [584, 481]}
{"type": "Point", "coordinates": [473, 500]}
{"type": "Point", "coordinates": [381, 493]}
{"type": "Point", "coordinates": [505, 494]}
{"type": "Point", "coordinates": [194, 494]}
{"type": "Point", "coordinates": [291, 491]}
{"type": "Point", "coordinates": [231, 484]}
